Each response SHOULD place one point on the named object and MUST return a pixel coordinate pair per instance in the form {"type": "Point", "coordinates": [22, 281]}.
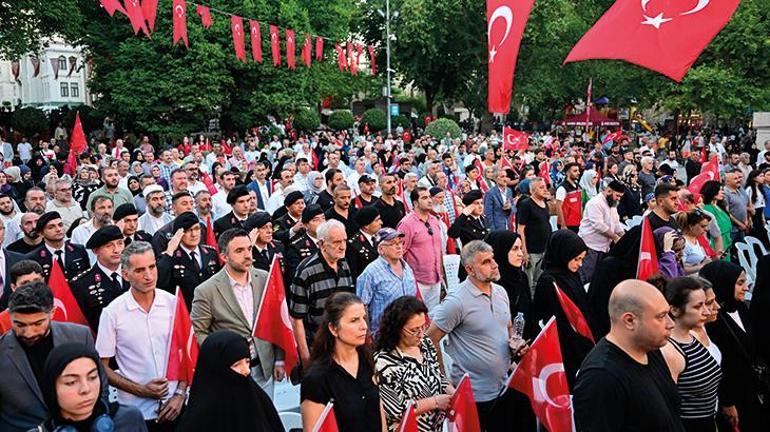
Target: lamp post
{"type": "Point", "coordinates": [388, 36]}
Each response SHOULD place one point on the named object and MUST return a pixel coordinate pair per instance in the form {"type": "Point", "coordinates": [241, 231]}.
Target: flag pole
{"type": "Point", "coordinates": [173, 320]}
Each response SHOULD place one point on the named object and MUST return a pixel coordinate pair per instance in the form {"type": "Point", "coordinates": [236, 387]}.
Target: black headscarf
{"type": "Point", "coordinates": [57, 361]}
{"type": "Point", "coordinates": [723, 275]}
{"type": "Point", "coordinates": [563, 246]}
{"type": "Point", "coordinates": [512, 279]}
{"type": "Point", "coordinates": [220, 398]}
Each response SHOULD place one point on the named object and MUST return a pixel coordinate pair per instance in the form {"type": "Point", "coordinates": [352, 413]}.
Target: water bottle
{"type": "Point", "coordinates": [518, 325]}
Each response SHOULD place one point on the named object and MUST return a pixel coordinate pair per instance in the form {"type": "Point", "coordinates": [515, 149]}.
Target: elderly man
{"type": "Point", "coordinates": [317, 278]}
{"type": "Point", "coordinates": [625, 374]}
{"type": "Point", "coordinates": [600, 227]}
{"type": "Point", "coordinates": [63, 203]}
{"type": "Point", "coordinates": [155, 217]}
{"type": "Point", "coordinates": [387, 278]}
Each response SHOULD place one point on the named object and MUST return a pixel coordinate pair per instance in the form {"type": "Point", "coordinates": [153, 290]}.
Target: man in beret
{"type": "Point", "coordinates": [129, 215]}
{"type": "Point", "coordinates": [342, 210]}
{"type": "Point", "coordinates": [286, 226]}
{"type": "Point", "coordinates": [600, 226]}
{"type": "Point", "coordinates": [72, 258]}
{"type": "Point", "coordinates": [155, 216]}
{"type": "Point", "coordinates": [362, 246]}
{"type": "Point", "coordinates": [305, 243]}
{"type": "Point", "coordinates": [366, 187]}
{"type": "Point", "coordinates": [238, 198]}
{"type": "Point", "coordinates": [264, 249]}
{"type": "Point", "coordinates": [180, 203]}
{"type": "Point", "coordinates": [100, 285]}
{"type": "Point", "coordinates": [470, 224]}
{"type": "Point", "coordinates": [186, 263]}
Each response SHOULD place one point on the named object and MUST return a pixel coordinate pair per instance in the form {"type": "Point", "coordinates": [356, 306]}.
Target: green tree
{"type": "Point", "coordinates": [441, 127]}
{"type": "Point", "coordinates": [307, 120]}
{"type": "Point", "coordinates": [376, 118]}
{"type": "Point", "coordinates": [25, 23]}
{"type": "Point", "coordinates": [341, 120]}
{"type": "Point", "coordinates": [29, 121]}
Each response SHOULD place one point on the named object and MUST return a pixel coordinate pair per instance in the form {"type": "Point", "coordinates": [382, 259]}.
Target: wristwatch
{"type": "Point", "coordinates": [180, 392]}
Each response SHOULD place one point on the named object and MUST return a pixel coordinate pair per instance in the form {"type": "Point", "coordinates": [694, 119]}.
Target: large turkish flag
{"type": "Point", "coordinates": [506, 20]}
{"type": "Point", "coordinates": [236, 23]}
{"type": "Point", "coordinates": [661, 35]}
{"type": "Point", "coordinates": [180, 22]}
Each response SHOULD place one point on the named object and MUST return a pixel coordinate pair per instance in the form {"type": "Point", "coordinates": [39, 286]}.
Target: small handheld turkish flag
{"type": "Point", "coordinates": [236, 24]}
{"type": "Point", "coordinates": [463, 414]}
{"type": "Point", "coordinates": [65, 307]}
{"type": "Point", "coordinates": [183, 348]}
{"type": "Point", "coordinates": [78, 138]}
{"type": "Point", "coordinates": [648, 258]}
{"type": "Point", "coordinates": [708, 171]}
{"type": "Point", "coordinates": [205, 14]}
{"type": "Point", "coordinates": [327, 422]}
{"type": "Point", "coordinates": [514, 140]}
{"type": "Point", "coordinates": [273, 323]}
{"type": "Point", "coordinates": [291, 50]}
{"type": "Point", "coordinates": [575, 317]}
{"type": "Point", "coordinates": [180, 22]}
{"type": "Point", "coordinates": [664, 36]}
{"type": "Point", "coordinates": [506, 20]}
{"type": "Point", "coordinates": [409, 421]}
{"type": "Point", "coordinates": [540, 375]}
{"type": "Point", "coordinates": [256, 40]}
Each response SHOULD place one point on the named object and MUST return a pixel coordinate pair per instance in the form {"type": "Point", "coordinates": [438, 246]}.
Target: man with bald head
{"type": "Point", "coordinates": [624, 383]}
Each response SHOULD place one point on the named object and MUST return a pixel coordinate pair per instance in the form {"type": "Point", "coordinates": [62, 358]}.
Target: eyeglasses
{"type": "Point", "coordinates": [417, 333]}
{"type": "Point", "coordinates": [430, 230]}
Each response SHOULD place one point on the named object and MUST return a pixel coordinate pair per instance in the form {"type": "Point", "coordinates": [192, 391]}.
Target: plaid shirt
{"type": "Point", "coordinates": [378, 286]}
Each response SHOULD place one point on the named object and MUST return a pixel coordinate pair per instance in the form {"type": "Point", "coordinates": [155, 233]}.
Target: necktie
{"type": "Point", "coordinates": [58, 254]}
{"type": "Point", "coordinates": [127, 241]}
{"type": "Point", "coordinates": [115, 280]}
{"type": "Point", "coordinates": [266, 256]}
{"type": "Point", "coordinates": [196, 266]}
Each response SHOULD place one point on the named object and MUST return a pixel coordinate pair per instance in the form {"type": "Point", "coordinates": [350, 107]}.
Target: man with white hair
{"type": "Point", "coordinates": [647, 175]}
{"type": "Point", "coordinates": [318, 277]}
{"type": "Point", "coordinates": [63, 203]}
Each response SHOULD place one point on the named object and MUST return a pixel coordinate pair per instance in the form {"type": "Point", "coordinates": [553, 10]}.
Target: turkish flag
{"type": "Point", "coordinates": [342, 63]}
{"type": "Point", "coordinates": [327, 422]}
{"type": "Point", "coordinates": [409, 421]}
{"type": "Point", "coordinates": [506, 20]}
{"type": "Point", "coordinates": [291, 49]}
{"type": "Point", "coordinates": [708, 171]}
{"type": "Point", "coordinates": [544, 174]}
{"type": "Point", "coordinates": [306, 54]}
{"type": "Point", "coordinates": [664, 36]}
{"type": "Point", "coordinates": [180, 22]}
{"type": "Point", "coordinates": [111, 6]}
{"type": "Point", "coordinates": [78, 138]}
{"type": "Point", "coordinates": [55, 67]}
{"type": "Point", "coordinates": [612, 137]}
{"type": "Point", "coordinates": [463, 413]}
{"type": "Point", "coordinates": [205, 14]}
{"type": "Point", "coordinates": [573, 314]}
{"type": "Point", "coordinates": [273, 323]}
{"type": "Point", "coordinates": [136, 16]}
{"type": "Point", "coordinates": [540, 375]}
{"type": "Point", "coordinates": [373, 59]}
{"type": "Point", "coordinates": [275, 45]}
{"type": "Point", "coordinates": [648, 258]}
{"type": "Point", "coordinates": [236, 24]}
{"type": "Point", "coordinates": [211, 239]}
{"type": "Point", "coordinates": [183, 349]}
{"type": "Point", "coordinates": [150, 11]}
{"type": "Point", "coordinates": [483, 187]}
{"type": "Point", "coordinates": [351, 58]}
{"type": "Point", "coordinates": [514, 140]}
{"type": "Point", "coordinates": [65, 307]}
{"type": "Point", "coordinates": [256, 41]}
{"type": "Point", "coordinates": [319, 48]}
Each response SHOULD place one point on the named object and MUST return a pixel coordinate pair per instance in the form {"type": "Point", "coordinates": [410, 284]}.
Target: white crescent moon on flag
{"type": "Point", "coordinates": [237, 28]}
{"type": "Point", "coordinates": [285, 315]}
{"type": "Point", "coordinates": [542, 380]}
{"type": "Point", "coordinates": [644, 5]}
{"type": "Point", "coordinates": [699, 7]}
{"type": "Point", "coordinates": [505, 13]}
{"type": "Point", "coordinates": [58, 304]}
{"type": "Point", "coordinates": [179, 10]}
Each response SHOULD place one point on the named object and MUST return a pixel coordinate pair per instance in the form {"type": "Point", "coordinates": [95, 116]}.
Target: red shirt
{"type": "Point", "coordinates": [5, 322]}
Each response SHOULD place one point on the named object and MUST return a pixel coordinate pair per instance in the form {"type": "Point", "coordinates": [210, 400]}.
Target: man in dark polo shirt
{"type": "Point", "coordinates": [667, 205]}
{"type": "Point", "coordinates": [391, 209]}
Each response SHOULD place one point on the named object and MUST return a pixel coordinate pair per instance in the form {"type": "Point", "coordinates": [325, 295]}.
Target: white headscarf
{"type": "Point", "coordinates": [587, 183]}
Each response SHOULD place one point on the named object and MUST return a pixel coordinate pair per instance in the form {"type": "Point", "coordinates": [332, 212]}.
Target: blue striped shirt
{"type": "Point", "coordinates": [378, 286]}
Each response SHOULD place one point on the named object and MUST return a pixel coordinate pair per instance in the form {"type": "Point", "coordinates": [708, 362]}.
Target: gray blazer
{"type": "Point", "coordinates": [22, 406]}
{"type": "Point", "coordinates": [214, 307]}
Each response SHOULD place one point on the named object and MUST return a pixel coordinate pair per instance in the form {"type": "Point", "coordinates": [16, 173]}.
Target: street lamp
{"type": "Point", "coordinates": [388, 37]}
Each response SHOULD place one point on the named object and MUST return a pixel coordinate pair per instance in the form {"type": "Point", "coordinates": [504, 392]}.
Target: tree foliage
{"type": "Point", "coordinates": [307, 120]}
{"type": "Point", "coordinates": [29, 121]}
{"type": "Point", "coordinates": [25, 23]}
{"type": "Point", "coordinates": [341, 120]}
{"type": "Point", "coordinates": [376, 118]}
{"type": "Point", "coordinates": [442, 126]}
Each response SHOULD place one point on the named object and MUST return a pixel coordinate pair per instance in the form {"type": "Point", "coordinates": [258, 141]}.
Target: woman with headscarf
{"type": "Point", "coordinates": [588, 185]}
{"type": "Point", "coordinates": [509, 256]}
{"type": "Point", "coordinates": [315, 185]}
{"type": "Point", "coordinates": [631, 203]}
{"type": "Point", "coordinates": [557, 173]}
{"type": "Point", "coordinates": [71, 386]}
{"type": "Point", "coordinates": [733, 333]}
{"type": "Point", "coordinates": [563, 258]}
{"type": "Point", "coordinates": [760, 307]}
{"type": "Point", "coordinates": [669, 247]}
{"type": "Point", "coordinates": [223, 395]}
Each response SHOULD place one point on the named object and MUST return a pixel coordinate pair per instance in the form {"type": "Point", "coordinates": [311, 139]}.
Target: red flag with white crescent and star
{"type": "Point", "coordinates": [111, 6]}
{"type": "Point", "coordinates": [275, 45]}
{"type": "Point", "coordinates": [273, 323]}
{"type": "Point", "coordinates": [648, 257]}
{"type": "Point", "coordinates": [205, 14]}
{"type": "Point", "coordinates": [136, 16]}
{"type": "Point", "coordinates": [514, 140]}
{"type": "Point", "coordinates": [342, 63]}
{"type": "Point", "coordinates": [326, 422]}
{"type": "Point", "coordinates": [256, 40]}
{"type": "Point", "coordinates": [372, 59]}
{"type": "Point", "coordinates": [464, 415]}
{"type": "Point", "coordinates": [573, 314]}
{"type": "Point", "coordinates": [319, 48]}
{"type": "Point", "coordinates": [663, 36]}
{"type": "Point", "coordinates": [150, 11]}
{"type": "Point", "coordinates": [409, 421]}
{"type": "Point", "coordinates": [506, 20]}
{"type": "Point", "coordinates": [180, 22]}
{"type": "Point", "coordinates": [236, 24]}
{"type": "Point", "coordinates": [540, 375]}
{"type": "Point", "coordinates": [291, 49]}
{"type": "Point", "coordinates": [65, 307]}
{"type": "Point", "coordinates": [708, 171]}
{"type": "Point", "coordinates": [306, 53]}
{"type": "Point", "coordinates": [351, 58]}
{"type": "Point", "coordinates": [183, 347]}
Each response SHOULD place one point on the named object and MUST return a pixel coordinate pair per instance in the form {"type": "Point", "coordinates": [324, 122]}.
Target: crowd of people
{"type": "Point", "coordinates": [361, 226]}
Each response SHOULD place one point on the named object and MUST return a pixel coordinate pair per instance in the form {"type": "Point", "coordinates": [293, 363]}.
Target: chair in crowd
{"type": "Point", "coordinates": [452, 268]}
{"type": "Point", "coordinates": [291, 421]}
{"type": "Point", "coordinates": [747, 258]}
{"type": "Point", "coordinates": [447, 359]}
{"type": "Point", "coordinates": [756, 245]}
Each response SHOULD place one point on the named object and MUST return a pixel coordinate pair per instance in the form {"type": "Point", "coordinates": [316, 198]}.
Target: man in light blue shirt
{"type": "Point", "coordinates": [386, 278]}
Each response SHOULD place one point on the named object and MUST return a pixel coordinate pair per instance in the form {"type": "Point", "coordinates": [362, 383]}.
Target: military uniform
{"type": "Point", "coordinates": [225, 223]}
{"type": "Point", "coordinates": [281, 228]}
{"type": "Point", "coordinates": [162, 236]}
{"type": "Point", "coordinates": [75, 259]}
{"type": "Point", "coordinates": [179, 271]}
{"type": "Point", "coordinates": [263, 259]}
{"type": "Point", "coordinates": [468, 228]}
{"type": "Point", "coordinates": [300, 247]}
{"type": "Point", "coordinates": [360, 253]}
{"type": "Point", "coordinates": [138, 236]}
{"type": "Point", "coordinates": [94, 290]}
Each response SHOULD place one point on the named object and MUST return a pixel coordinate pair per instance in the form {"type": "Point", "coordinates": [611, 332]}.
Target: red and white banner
{"type": "Point", "coordinates": [306, 50]}
{"type": "Point", "coordinates": [273, 323]}
{"type": "Point", "coordinates": [342, 63]}
{"type": "Point", "coordinates": [205, 14]}
{"type": "Point", "coordinates": [319, 48]}
{"type": "Point", "coordinates": [239, 43]}
{"type": "Point", "coordinates": [463, 417]}
{"type": "Point", "coordinates": [150, 11]}
{"type": "Point", "coordinates": [291, 49]}
{"type": "Point", "coordinates": [506, 20]}
{"type": "Point", "coordinates": [256, 40]}
{"type": "Point", "coordinates": [183, 347]}
{"type": "Point", "coordinates": [575, 317]}
{"type": "Point", "coordinates": [648, 258]}
{"type": "Point", "coordinates": [136, 16]}
{"type": "Point", "coordinates": [409, 421]}
{"type": "Point", "coordinates": [514, 140]}
{"type": "Point", "coordinates": [327, 422]}
{"type": "Point", "coordinates": [180, 22]}
{"type": "Point", "coordinates": [275, 45]}
{"type": "Point", "coordinates": [372, 59]}
{"type": "Point", "coordinates": [55, 67]}
{"type": "Point", "coordinates": [111, 6]}
{"type": "Point", "coordinates": [65, 307]}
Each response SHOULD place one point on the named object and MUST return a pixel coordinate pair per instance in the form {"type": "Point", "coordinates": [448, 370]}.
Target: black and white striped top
{"type": "Point", "coordinates": [699, 381]}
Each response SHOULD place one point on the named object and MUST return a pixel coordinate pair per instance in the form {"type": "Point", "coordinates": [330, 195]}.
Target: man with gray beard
{"type": "Point", "coordinates": [600, 226]}
{"type": "Point", "coordinates": [101, 209]}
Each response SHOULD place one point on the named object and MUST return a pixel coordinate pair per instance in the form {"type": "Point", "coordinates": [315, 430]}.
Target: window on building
{"type": "Point", "coordinates": [74, 91]}
{"type": "Point", "coordinates": [65, 90]}
{"type": "Point", "coordinates": [62, 63]}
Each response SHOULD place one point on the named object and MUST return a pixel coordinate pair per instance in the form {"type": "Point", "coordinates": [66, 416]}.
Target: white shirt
{"type": "Point", "coordinates": [109, 272]}
{"type": "Point", "coordinates": [52, 251]}
{"type": "Point", "coordinates": [197, 254]}
{"type": "Point", "coordinates": [219, 205]}
{"type": "Point", "coordinates": [68, 213]}
{"type": "Point", "coordinates": [195, 186]}
{"type": "Point", "coordinates": [25, 151]}
{"type": "Point", "coordinates": [83, 232]}
{"type": "Point", "coordinates": [13, 230]}
{"type": "Point", "coordinates": [245, 296]}
{"type": "Point", "coordinates": [300, 182]}
{"type": "Point", "coordinates": [274, 202]}
{"type": "Point", "coordinates": [150, 224]}
{"type": "Point", "coordinates": [139, 342]}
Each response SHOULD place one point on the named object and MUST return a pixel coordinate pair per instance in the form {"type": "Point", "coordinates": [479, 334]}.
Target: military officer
{"type": "Point", "coordinates": [285, 227]}
{"type": "Point", "coordinates": [305, 243]}
{"type": "Point", "coordinates": [470, 224]}
{"type": "Point", "coordinates": [238, 198]}
{"type": "Point", "coordinates": [264, 249]}
{"type": "Point", "coordinates": [181, 202]}
{"type": "Point", "coordinates": [186, 263]}
{"type": "Point", "coordinates": [100, 285]}
{"type": "Point", "coordinates": [72, 258]}
{"type": "Point", "coordinates": [130, 216]}
{"type": "Point", "coordinates": [362, 246]}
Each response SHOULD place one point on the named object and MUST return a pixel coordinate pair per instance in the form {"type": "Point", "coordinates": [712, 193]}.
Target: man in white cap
{"type": "Point", "coordinates": [155, 217]}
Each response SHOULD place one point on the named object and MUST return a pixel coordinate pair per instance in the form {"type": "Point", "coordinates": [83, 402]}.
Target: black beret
{"type": "Point", "coordinates": [366, 215]}
{"type": "Point", "coordinates": [104, 235]}
{"type": "Point", "coordinates": [616, 186]}
{"type": "Point", "coordinates": [185, 221]}
{"type": "Point", "coordinates": [292, 197]}
{"type": "Point", "coordinates": [236, 193]}
{"type": "Point", "coordinates": [310, 212]}
{"type": "Point", "coordinates": [45, 218]}
{"type": "Point", "coordinates": [257, 220]}
{"type": "Point", "coordinates": [124, 210]}
{"type": "Point", "coordinates": [472, 196]}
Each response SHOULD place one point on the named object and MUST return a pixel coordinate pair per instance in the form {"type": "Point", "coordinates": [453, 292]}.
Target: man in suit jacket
{"type": "Point", "coordinates": [23, 352]}
{"type": "Point", "coordinates": [73, 256]}
{"type": "Point", "coordinates": [498, 203]}
{"type": "Point", "coordinates": [229, 301]}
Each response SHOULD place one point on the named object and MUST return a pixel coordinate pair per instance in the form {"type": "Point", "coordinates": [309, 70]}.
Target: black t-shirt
{"type": "Point", "coordinates": [391, 215]}
{"type": "Point", "coordinates": [656, 222]}
{"type": "Point", "coordinates": [20, 246]}
{"type": "Point", "coordinates": [614, 393]}
{"type": "Point", "coordinates": [537, 224]}
{"type": "Point", "coordinates": [38, 353]}
{"type": "Point", "coordinates": [356, 399]}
